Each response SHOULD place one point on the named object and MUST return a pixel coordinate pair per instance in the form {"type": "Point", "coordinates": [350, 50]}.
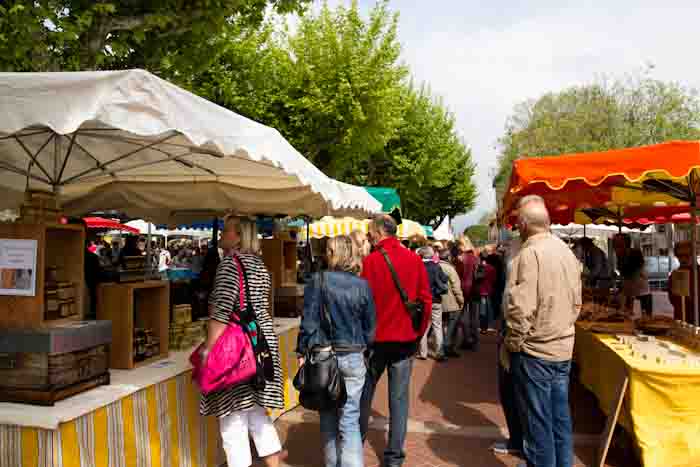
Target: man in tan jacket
{"type": "Point", "coordinates": [543, 305]}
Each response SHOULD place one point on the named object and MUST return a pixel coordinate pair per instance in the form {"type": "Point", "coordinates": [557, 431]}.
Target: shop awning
{"type": "Point", "coordinates": [332, 227]}
{"type": "Point", "coordinates": [130, 141]}
{"type": "Point", "coordinates": [409, 228]}
{"type": "Point", "coordinates": [108, 224]}
{"type": "Point", "coordinates": [613, 186]}
{"type": "Point", "coordinates": [388, 197]}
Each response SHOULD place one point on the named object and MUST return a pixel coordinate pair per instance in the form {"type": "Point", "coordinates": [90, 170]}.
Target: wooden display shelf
{"type": "Point", "coordinates": [134, 305]}
{"type": "Point", "coordinates": [59, 245]}
{"type": "Point", "coordinates": [280, 257]}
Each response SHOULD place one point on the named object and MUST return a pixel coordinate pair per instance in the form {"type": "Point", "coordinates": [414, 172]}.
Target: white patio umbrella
{"type": "Point", "coordinates": [130, 141]}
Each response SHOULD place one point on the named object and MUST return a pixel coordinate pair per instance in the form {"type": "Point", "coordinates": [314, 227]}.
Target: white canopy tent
{"type": "Point", "coordinates": [130, 141]}
{"type": "Point", "coordinates": [444, 230]}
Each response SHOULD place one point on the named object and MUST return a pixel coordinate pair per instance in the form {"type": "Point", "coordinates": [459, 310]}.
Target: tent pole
{"type": "Point", "coordinates": [694, 253]}
{"type": "Point", "coordinates": [149, 267]}
{"type": "Point", "coordinates": [215, 234]}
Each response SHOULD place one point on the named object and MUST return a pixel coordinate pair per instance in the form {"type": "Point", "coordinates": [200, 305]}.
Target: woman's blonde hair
{"type": "Point", "coordinates": [464, 244]}
{"type": "Point", "coordinates": [342, 255]}
{"type": "Point", "coordinates": [361, 243]}
{"type": "Point", "coordinates": [248, 232]}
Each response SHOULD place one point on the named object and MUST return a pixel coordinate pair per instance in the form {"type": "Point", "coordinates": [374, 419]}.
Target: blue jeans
{"type": "Point", "coordinates": [399, 397]}
{"type": "Point", "coordinates": [451, 321]}
{"type": "Point", "coordinates": [542, 389]}
{"type": "Point", "coordinates": [340, 429]}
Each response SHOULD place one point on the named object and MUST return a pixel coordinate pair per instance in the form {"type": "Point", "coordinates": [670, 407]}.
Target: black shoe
{"type": "Point", "coordinates": [421, 358]}
{"type": "Point", "coordinates": [452, 354]}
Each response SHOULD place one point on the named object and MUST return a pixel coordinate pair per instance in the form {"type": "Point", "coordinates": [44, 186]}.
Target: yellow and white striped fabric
{"type": "Point", "coordinates": [409, 229]}
{"type": "Point", "coordinates": [332, 227]}
{"type": "Point", "coordinates": [159, 426]}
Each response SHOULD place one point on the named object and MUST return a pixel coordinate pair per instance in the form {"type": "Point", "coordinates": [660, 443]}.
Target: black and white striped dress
{"type": "Point", "coordinates": [223, 299]}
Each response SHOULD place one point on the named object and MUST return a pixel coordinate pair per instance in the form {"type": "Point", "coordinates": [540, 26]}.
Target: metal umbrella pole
{"type": "Point", "coordinates": [694, 253]}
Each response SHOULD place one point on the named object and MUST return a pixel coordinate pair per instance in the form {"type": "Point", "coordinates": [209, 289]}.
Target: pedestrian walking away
{"type": "Point", "coordinates": [544, 300]}
{"type": "Point", "coordinates": [439, 285]}
{"type": "Point", "coordinates": [350, 305]}
{"type": "Point", "coordinates": [396, 337]}
{"type": "Point", "coordinates": [452, 304]}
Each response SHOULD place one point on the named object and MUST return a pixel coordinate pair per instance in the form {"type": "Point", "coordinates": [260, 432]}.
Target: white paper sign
{"type": "Point", "coordinates": [18, 267]}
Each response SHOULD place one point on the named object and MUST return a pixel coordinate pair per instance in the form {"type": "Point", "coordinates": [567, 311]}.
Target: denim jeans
{"type": "Point", "coordinates": [542, 388]}
{"type": "Point", "coordinates": [485, 312]}
{"type": "Point", "coordinates": [450, 321]}
{"type": "Point", "coordinates": [506, 391]}
{"type": "Point", "coordinates": [340, 429]}
{"type": "Point", "coordinates": [399, 397]}
{"type": "Point", "coordinates": [436, 326]}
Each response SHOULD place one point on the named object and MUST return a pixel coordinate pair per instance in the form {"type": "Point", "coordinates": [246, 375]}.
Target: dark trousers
{"type": "Point", "coordinates": [470, 324]}
{"type": "Point", "coordinates": [542, 389]}
{"type": "Point", "coordinates": [506, 391]}
{"type": "Point", "coordinates": [399, 370]}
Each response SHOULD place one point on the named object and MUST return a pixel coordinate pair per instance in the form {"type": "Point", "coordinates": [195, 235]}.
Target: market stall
{"type": "Point", "coordinates": [651, 388]}
{"type": "Point", "coordinates": [127, 141]}
{"type": "Point", "coordinates": [148, 416]}
{"type": "Point", "coordinates": [646, 383]}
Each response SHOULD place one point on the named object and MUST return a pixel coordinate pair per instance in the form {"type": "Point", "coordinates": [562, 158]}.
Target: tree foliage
{"type": "Point", "coordinates": [478, 233]}
{"type": "Point", "coordinates": [52, 35]}
{"type": "Point", "coordinates": [427, 160]}
{"type": "Point", "coordinates": [626, 113]}
{"type": "Point", "coordinates": [335, 88]}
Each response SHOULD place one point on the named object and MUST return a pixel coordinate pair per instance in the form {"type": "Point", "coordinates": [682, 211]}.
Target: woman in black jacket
{"type": "Point", "coordinates": [348, 301]}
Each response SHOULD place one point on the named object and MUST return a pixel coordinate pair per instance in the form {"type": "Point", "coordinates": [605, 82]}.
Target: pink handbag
{"type": "Point", "coordinates": [231, 361]}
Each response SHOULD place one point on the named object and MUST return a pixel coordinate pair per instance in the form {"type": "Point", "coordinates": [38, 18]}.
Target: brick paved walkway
{"type": "Point", "coordinates": [455, 417]}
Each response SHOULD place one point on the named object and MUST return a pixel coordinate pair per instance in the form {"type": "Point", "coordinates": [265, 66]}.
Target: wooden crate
{"type": "Point", "coordinates": [43, 378]}
{"type": "Point", "coordinates": [58, 245]}
{"type": "Point", "coordinates": [49, 396]}
{"type": "Point", "coordinates": [134, 305]}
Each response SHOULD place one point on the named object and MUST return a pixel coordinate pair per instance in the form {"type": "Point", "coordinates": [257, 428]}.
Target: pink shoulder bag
{"type": "Point", "coordinates": [231, 361]}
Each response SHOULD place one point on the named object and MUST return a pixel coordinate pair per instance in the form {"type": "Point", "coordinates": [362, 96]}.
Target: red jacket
{"type": "Point", "coordinates": [393, 321]}
{"type": "Point", "coordinates": [487, 285]}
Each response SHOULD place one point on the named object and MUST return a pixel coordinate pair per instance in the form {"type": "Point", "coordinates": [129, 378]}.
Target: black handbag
{"type": "Point", "coordinates": [415, 309]}
{"type": "Point", "coordinates": [319, 381]}
{"type": "Point", "coordinates": [263, 356]}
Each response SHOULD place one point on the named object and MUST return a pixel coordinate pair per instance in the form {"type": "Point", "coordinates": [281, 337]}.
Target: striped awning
{"type": "Point", "coordinates": [332, 227]}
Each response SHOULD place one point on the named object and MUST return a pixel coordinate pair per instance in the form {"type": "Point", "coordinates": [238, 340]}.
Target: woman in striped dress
{"type": "Point", "coordinates": [242, 409]}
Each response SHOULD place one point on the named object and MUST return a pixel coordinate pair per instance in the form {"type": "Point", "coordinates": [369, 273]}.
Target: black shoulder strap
{"type": "Point", "coordinates": [250, 311]}
{"type": "Point", "coordinates": [397, 282]}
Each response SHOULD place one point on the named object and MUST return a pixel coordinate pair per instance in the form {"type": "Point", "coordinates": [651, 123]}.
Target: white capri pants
{"type": "Point", "coordinates": [238, 428]}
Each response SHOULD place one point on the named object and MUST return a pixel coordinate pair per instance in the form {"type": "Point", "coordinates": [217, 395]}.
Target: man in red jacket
{"type": "Point", "coordinates": [396, 341]}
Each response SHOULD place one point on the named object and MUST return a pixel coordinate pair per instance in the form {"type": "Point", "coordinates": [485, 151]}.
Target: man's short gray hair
{"type": "Point", "coordinates": [426, 252]}
{"type": "Point", "coordinates": [532, 211]}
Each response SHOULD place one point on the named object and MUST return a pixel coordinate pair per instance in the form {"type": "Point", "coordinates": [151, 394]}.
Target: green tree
{"type": "Point", "coordinates": [427, 161]}
{"type": "Point", "coordinates": [631, 112]}
{"type": "Point", "coordinates": [51, 35]}
{"type": "Point", "coordinates": [478, 234]}
{"type": "Point", "coordinates": [336, 90]}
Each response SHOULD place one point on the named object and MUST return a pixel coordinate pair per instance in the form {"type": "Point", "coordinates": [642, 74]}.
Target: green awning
{"type": "Point", "coordinates": [389, 198]}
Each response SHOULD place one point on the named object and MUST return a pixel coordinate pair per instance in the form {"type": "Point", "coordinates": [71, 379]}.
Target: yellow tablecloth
{"type": "Point", "coordinates": [157, 426]}
{"type": "Point", "coordinates": [662, 406]}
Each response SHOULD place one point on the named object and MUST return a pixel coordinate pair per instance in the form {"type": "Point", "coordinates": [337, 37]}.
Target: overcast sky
{"type": "Point", "coordinates": [485, 57]}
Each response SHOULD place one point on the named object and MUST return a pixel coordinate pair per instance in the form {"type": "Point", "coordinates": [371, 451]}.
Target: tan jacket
{"type": "Point", "coordinates": [544, 299]}
{"type": "Point", "coordinates": [453, 300]}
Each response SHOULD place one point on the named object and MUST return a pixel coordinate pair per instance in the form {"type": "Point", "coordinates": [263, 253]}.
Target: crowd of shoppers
{"type": "Point", "coordinates": [461, 293]}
